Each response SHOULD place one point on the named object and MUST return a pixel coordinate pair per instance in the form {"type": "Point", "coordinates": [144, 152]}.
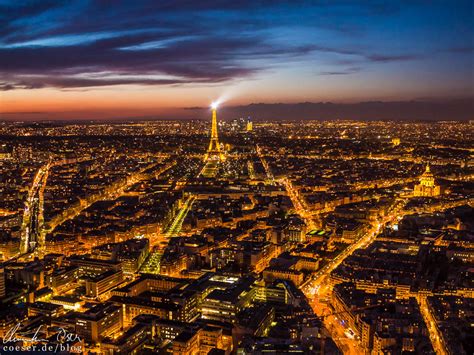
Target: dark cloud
{"type": "Point", "coordinates": [346, 71]}
{"type": "Point", "coordinates": [71, 82]}
{"type": "Point", "coordinates": [7, 87]}
{"type": "Point", "coordinates": [188, 41]}
{"type": "Point", "coordinates": [392, 58]}
{"type": "Point", "coordinates": [13, 85]}
{"type": "Point", "coordinates": [360, 55]}
{"type": "Point", "coordinates": [208, 59]}
{"type": "Point", "coordinates": [465, 49]}
{"type": "Point", "coordinates": [198, 60]}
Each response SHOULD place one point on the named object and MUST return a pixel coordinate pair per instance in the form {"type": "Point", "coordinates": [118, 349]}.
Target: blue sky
{"type": "Point", "coordinates": [258, 51]}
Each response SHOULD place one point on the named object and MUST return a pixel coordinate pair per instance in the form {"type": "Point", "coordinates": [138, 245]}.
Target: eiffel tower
{"type": "Point", "coordinates": [214, 152]}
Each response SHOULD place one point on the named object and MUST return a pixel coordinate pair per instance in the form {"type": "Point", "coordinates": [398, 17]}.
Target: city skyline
{"type": "Point", "coordinates": [90, 60]}
{"type": "Point", "coordinates": [223, 177]}
{"type": "Point", "coordinates": [237, 237]}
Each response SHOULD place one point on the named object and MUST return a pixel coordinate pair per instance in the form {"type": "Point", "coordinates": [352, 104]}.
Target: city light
{"type": "Point", "coordinates": [319, 205]}
{"type": "Point", "coordinates": [267, 222]}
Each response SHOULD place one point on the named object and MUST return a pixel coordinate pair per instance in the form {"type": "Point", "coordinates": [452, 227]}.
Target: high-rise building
{"type": "Point", "coordinates": [249, 125]}
{"type": "Point", "coordinates": [2, 282]}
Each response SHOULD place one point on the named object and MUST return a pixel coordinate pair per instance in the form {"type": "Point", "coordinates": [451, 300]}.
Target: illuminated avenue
{"type": "Point", "coordinates": [240, 236]}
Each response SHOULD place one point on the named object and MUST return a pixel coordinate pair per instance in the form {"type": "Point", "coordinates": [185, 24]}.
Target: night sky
{"type": "Point", "coordinates": [114, 59]}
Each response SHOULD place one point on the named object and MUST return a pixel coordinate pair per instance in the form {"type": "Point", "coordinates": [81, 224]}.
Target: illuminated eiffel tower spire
{"type": "Point", "coordinates": [214, 151]}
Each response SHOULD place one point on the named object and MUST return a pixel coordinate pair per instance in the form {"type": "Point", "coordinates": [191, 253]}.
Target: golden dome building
{"type": "Point", "coordinates": [427, 186]}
